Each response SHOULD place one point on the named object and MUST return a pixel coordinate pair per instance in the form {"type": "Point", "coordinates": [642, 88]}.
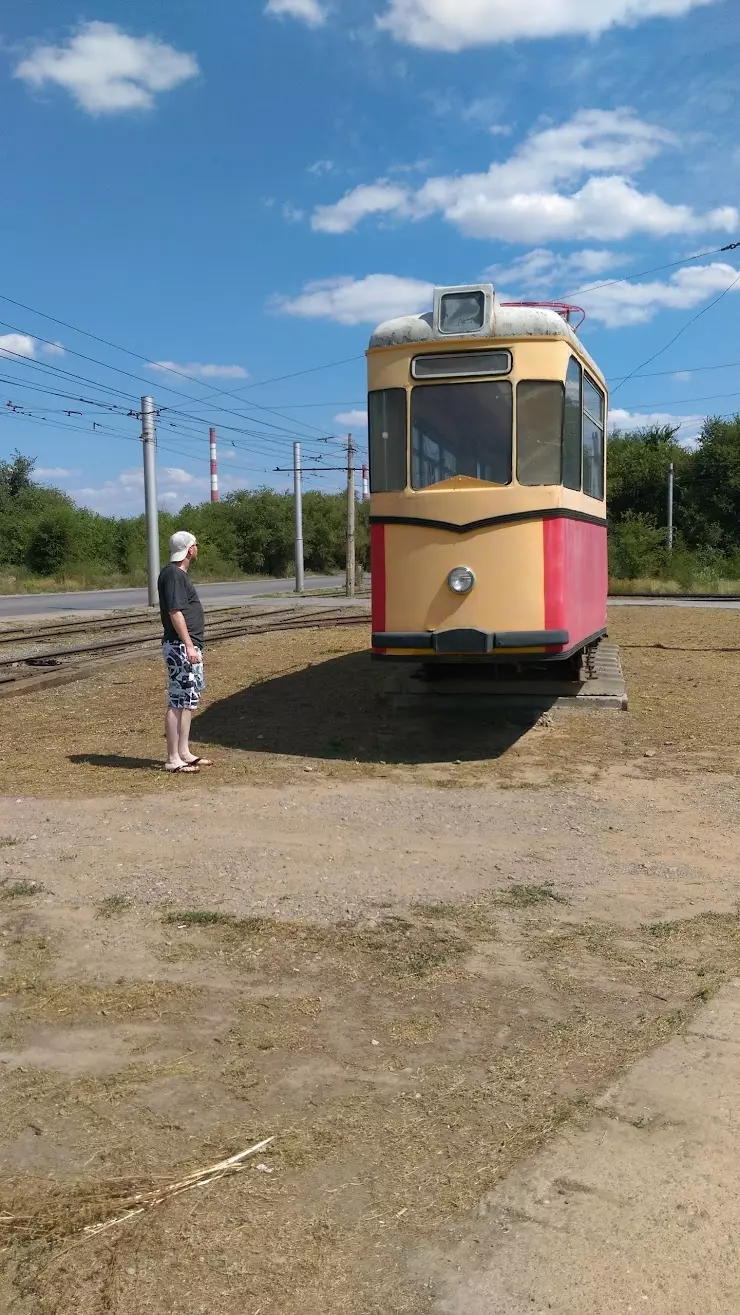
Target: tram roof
{"type": "Point", "coordinates": [508, 322]}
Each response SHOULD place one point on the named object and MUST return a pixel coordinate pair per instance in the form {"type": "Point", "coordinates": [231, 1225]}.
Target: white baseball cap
{"type": "Point", "coordinates": [180, 542]}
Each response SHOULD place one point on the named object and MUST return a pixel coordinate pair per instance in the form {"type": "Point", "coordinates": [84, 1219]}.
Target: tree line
{"type": "Point", "coordinates": [706, 504]}
{"type": "Point", "coordinates": [43, 533]}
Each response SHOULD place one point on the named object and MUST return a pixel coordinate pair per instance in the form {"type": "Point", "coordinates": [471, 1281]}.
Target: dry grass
{"type": "Point", "coordinates": [311, 702]}
{"type": "Point", "coordinates": [404, 1065]}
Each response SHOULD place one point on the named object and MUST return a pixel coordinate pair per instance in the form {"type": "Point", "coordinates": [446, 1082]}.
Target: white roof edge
{"type": "Point", "coordinates": [508, 322]}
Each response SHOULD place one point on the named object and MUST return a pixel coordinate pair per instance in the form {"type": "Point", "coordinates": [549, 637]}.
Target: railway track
{"type": "Point", "coordinates": [24, 672]}
{"type": "Point", "coordinates": [120, 621]}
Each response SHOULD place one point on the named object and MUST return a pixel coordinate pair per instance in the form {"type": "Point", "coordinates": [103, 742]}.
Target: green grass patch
{"type": "Point", "coordinates": [523, 897]}
{"type": "Point", "coordinates": [17, 889]}
{"type": "Point", "coordinates": [113, 905]}
{"type": "Point", "coordinates": [213, 918]}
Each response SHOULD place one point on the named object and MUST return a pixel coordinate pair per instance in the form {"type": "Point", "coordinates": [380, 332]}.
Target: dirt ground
{"type": "Point", "coordinates": [311, 701]}
{"type": "Point", "coordinates": [409, 988]}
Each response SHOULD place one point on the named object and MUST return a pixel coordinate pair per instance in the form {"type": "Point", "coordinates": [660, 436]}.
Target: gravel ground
{"type": "Point", "coordinates": [629, 850]}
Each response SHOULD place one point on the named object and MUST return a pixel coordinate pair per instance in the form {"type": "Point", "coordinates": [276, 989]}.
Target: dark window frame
{"type": "Point", "coordinates": [601, 425]}
{"type": "Point", "coordinates": [461, 383]}
{"type": "Point", "coordinates": [457, 374]}
{"type": "Point", "coordinates": [557, 383]}
{"type": "Point", "coordinates": [371, 440]}
{"type": "Point", "coordinates": [574, 488]}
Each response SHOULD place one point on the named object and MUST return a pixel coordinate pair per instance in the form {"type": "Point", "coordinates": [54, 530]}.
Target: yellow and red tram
{"type": "Point", "coordinates": [487, 477]}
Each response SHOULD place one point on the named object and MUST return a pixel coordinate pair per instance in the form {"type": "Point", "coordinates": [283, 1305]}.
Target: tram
{"type": "Point", "coordinates": [487, 479]}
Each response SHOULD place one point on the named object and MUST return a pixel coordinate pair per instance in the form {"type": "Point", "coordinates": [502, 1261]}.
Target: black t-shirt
{"type": "Point", "coordinates": [177, 593]}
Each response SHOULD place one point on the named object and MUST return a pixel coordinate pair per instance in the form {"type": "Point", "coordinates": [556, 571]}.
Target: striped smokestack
{"type": "Point", "coordinates": [214, 466]}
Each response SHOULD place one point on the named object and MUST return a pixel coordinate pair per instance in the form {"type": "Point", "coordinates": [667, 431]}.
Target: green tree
{"type": "Point", "coordinates": [711, 506]}
{"type": "Point", "coordinates": [637, 472]}
{"type": "Point", "coordinates": [16, 475]}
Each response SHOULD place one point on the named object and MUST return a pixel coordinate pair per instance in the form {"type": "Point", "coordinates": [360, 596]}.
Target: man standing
{"type": "Point", "coordinates": [182, 648]}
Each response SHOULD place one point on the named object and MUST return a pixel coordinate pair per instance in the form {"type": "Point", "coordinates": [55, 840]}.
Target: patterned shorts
{"type": "Point", "coordinates": [185, 680]}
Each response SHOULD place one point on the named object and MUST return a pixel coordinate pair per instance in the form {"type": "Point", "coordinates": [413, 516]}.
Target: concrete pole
{"type": "Point", "coordinates": [214, 465]}
{"type": "Point", "coordinates": [149, 443]}
{"type": "Point", "coordinates": [298, 509]}
{"type": "Point", "coordinates": [350, 587]}
{"type": "Point", "coordinates": [670, 507]}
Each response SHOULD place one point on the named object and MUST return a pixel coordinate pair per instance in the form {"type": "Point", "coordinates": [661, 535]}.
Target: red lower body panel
{"type": "Point", "coordinates": [576, 577]}
{"type": "Point", "coordinates": [377, 576]}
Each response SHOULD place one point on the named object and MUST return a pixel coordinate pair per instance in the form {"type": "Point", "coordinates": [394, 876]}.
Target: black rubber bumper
{"type": "Point", "coordinates": [469, 641]}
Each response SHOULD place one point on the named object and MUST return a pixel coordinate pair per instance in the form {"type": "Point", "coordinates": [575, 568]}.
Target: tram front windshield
{"type": "Point", "coordinates": [461, 429]}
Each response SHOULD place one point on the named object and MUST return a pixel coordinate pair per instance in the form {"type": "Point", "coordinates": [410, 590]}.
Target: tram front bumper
{"type": "Point", "coordinates": [469, 641]}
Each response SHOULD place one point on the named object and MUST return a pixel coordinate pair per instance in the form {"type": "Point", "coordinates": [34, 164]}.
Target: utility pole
{"type": "Point", "coordinates": [670, 507]}
{"type": "Point", "coordinates": [149, 443]}
{"type": "Point", "coordinates": [350, 588]}
{"type": "Point", "coordinates": [298, 509]}
{"type": "Point", "coordinates": [214, 465]}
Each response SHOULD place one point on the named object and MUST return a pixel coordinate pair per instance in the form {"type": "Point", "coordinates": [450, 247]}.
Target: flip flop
{"type": "Point", "coordinates": [190, 768]}
{"type": "Point", "coordinates": [201, 762]}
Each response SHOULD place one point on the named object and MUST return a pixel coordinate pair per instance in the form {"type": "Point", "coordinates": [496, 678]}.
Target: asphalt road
{"type": "Point", "coordinates": [236, 593]}
{"type": "Point", "coordinates": [108, 600]}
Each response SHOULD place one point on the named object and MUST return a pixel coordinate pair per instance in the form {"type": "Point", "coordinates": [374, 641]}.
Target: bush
{"type": "Point", "coordinates": [636, 547]}
{"type": "Point", "coordinates": [52, 544]}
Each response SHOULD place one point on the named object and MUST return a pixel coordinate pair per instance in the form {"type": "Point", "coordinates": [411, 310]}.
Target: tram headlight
{"type": "Point", "coordinates": [461, 580]}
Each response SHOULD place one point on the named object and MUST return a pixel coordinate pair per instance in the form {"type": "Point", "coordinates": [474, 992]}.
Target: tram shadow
{"type": "Point", "coordinates": [339, 710]}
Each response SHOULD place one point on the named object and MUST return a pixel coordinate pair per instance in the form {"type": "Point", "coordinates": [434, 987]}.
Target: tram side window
{"type": "Point", "coordinates": [572, 426]}
{"type": "Point", "coordinates": [593, 440]}
{"type": "Point", "coordinates": [461, 429]}
{"type": "Point", "coordinates": [539, 430]}
{"type": "Point", "coordinates": [387, 432]}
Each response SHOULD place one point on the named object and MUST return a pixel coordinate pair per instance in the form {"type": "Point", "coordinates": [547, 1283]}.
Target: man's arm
{"type": "Point", "coordinates": [178, 621]}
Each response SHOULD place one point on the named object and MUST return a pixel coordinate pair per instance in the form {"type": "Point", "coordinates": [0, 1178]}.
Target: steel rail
{"type": "Point", "coordinates": [292, 621]}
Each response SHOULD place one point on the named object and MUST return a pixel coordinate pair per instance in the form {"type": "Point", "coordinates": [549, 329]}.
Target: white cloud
{"type": "Point", "coordinates": [570, 182]}
{"type": "Point", "coordinates": [55, 472]}
{"type": "Point", "coordinates": [106, 70]}
{"type": "Point", "coordinates": [292, 214]}
{"type": "Point", "coordinates": [541, 270]}
{"type": "Point", "coordinates": [368, 199]}
{"type": "Point", "coordinates": [53, 349]}
{"type": "Point", "coordinates": [485, 112]}
{"type": "Point", "coordinates": [453, 25]}
{"type": "Point", "coordinates": [17, 344]}
{"type": "Point", "coordinates": [636, 303]}
{"type": "Point", "coordinates": [321, 167]}
{"type": "Point", "coordinates": [176, 475]}
{"type": "Point", "coordinates": [358, 301]}
{"type": "Point", "coordinates": [200, 371]}
{"type": "Point", "coordinates": [681, 376]}
{"type": "Point", "coordinates": [627, 421]}
{"type": "Point", "coordinates": [357, 418]}
{"type": "Point", "coordinates": [310, 12]}
{"type": "Point", "coordinates": [618, 303]}
{"type": "Point", "coordinates": [123, 495]}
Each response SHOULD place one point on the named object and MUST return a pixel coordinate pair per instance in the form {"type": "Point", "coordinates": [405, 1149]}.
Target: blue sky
{"type": "Point", "coordinates": [243, 190]}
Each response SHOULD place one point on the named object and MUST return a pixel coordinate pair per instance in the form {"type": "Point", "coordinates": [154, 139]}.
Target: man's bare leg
{"type": "Point", "coordinates": [172, 735]}
{"type": "Point", "coordinates": [184, 718]}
